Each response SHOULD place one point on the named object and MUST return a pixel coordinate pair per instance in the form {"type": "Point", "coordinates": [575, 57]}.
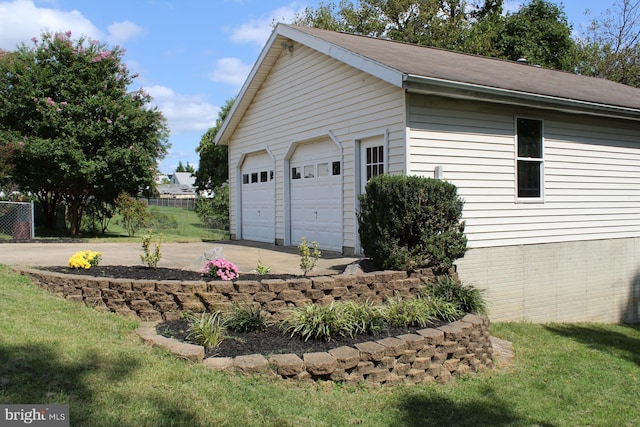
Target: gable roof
{"type": "Point", "coordinates": [428, 70]}
{"type": "Point", "coordinates": [183, 178]}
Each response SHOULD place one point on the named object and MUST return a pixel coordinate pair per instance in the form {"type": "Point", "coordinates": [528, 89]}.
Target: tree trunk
{"type": "Point", "coordinates": [50, 212]}
{"type": "Point", "coordinates": [74, 214]}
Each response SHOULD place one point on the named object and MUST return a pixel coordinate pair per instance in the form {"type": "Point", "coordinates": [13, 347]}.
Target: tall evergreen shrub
{"type": "Point", "coordinates": [410, 222]}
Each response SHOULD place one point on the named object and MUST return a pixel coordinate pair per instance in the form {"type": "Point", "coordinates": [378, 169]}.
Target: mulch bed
{"type": "Point", "coordinates": [139, 272]}
{"type": "Point", "coordinates": [272, 341]}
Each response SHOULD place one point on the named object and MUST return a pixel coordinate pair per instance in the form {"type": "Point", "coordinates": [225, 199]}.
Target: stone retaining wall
{"type": "Point", "coordinates": [165, 300]}
{"type": "Point", "coordinates": [429, 355]}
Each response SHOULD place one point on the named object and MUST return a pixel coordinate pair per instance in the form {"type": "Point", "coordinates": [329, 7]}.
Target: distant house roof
{"type": "Point", "coordinates": [428, 70]}
{"type": "Point", "coordinates": [176, 190]}
{"type": "Point", "coordinates": [184, 178]}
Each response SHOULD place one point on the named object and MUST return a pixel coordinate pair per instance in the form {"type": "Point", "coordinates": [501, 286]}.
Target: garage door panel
{"type": "Point", "coordinates": [258, 201]}
{"type": "Point", "coordinates": [316, 195]}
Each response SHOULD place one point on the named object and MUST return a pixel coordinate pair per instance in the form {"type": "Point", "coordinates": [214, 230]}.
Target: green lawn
{"type": "Point", "coordinates": [175, 224]}
{"type": "Point", "coordinates": [55, 351]}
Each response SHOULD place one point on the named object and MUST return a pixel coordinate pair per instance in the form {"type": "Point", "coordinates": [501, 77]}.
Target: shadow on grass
{"type": "Point", "coordinates": [41, 374]}
{"type": "Point", "coordinates": [614, 343]}
{"type": "Point", "coordinates": [430, 410]}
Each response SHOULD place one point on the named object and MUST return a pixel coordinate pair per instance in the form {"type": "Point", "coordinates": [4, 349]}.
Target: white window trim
{"type": "Point", "coordinates": [541, 160]}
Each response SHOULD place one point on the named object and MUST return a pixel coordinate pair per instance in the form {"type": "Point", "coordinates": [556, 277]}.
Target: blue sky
{"type": "Point", "coordinates": [191, 55]}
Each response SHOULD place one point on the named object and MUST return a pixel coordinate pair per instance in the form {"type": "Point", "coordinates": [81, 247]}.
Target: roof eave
{"type": "Point", "coordinates": [460, 90]}
{"type": "Point", "coordinates": [241, 102]}
{"type": "Point", "coordinates": [382, 71]}
{"type": "Point", "coordinates": [253, 81]}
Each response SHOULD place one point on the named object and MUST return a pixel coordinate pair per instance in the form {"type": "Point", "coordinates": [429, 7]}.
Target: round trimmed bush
{"type": "Point", "coordinates": [410, 222]}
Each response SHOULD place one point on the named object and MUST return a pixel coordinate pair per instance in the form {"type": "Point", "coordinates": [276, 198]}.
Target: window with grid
{"type": "Point", "coordinates": [375, 161]}
{"type": "Point", "coordinates": [530, 161]}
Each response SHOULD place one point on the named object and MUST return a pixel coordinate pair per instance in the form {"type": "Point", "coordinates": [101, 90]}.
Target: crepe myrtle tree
{"type": "Point", "coordinates": [78, 132]}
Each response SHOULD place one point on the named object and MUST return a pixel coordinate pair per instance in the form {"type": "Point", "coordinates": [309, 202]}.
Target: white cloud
{"type": "Point", "coordinates": [511, 6]}
{"type": "Point", "coordinates": [183, 112]}
{"type": "Point", "coordinates": [230, 70]}
{"type": "Point", "coordinates": [20, 20]}
{"type": "Point", "coordinates": [120, 32]}
{"type": "Point", "coordinates": [257, 31]}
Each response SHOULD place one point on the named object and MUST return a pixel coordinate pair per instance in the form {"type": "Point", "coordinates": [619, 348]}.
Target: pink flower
{"type": "Point", "coordinates": [50, 102]}
{"type": "Point", "coordinates": [34, 40]}
{"type": "Point", "coordinates": [68, 33]}
{"type": "Point", "coordinates": [94, 42]}
{"type": "Point", "coordinates": [109, 121]}
{"type": "Point", "coordinates": [221, 268]}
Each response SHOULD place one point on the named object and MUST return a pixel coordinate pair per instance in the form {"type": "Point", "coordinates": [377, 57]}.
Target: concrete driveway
{"type": "Point", "coordinates": [190, 256]}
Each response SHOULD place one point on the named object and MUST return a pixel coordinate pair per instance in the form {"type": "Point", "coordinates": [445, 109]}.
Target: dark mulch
{"type": "Point", "coordinates": [272, 341]}
{"type": "Point", "coordinates": [139, 272]}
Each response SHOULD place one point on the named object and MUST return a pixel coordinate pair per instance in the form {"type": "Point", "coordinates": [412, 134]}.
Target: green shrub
{"type": "Point", "coordinates": [443, 309]}
{"type": "Point", "coordinates": [247, 319]}
{"type": "Point", "coordinates": [97, 216]}
{"type": "Point", "coordinates": [309, 255]}
{"type": "Point", "coordinates": [151, 259]}
{"type": "Point", "coordinates": [363, 317]}
{"type": "Point", "coordinates": [207, 329]}
{"type": "Point", "coordinates": [407, 312]}
{"type": "Point", "coordinates": [466, 298]}
{"type": "Point", "coordinates": [133, 213]}
{"type": "Point", "coordinates": [408, 223]}
{"type": "Point", "coordinates": [262, 269]}
{"type": "Point", "coordinates": [321, 322]}
{"type": "Point", "coordinates": [214, 212]}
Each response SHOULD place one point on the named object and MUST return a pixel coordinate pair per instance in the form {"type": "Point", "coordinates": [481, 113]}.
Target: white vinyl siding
{"type": "Point", "coordinates": [591, 172]}
{"type": "Point", "coordinates": [306, 96]}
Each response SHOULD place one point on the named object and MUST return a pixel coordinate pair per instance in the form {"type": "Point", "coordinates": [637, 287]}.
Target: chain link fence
{"type": "Point", "coordinates": [16, 221]}
{"type": "Point", "coordinates": [173, 203]}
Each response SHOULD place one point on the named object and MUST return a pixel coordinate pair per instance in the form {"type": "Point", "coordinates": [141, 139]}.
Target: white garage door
{"type": "Point", "coordinates": [258, 198]}
{"type": "Point", "coordinates": [316, 195]}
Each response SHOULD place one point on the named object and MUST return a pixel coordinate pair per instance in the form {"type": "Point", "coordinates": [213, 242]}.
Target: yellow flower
{"type": "Point", "coordinates": [85, 259]}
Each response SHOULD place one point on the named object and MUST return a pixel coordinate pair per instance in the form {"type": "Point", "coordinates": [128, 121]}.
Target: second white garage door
{"type": "Point", "coordinates": [316, 195]}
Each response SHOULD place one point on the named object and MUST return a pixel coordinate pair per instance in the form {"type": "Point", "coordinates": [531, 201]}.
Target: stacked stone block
{"type": "Point", "coordinates": [429, 355]}
{"type": "Point", "coordinates": [165, 300]}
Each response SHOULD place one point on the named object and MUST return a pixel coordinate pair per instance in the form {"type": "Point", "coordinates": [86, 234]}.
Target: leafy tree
{"type": "Point", "coordinates": [540, 33]}
{"type": "Point", "coordinates": [213, 169]}
{"type": "Point", "coordinates": [610, 49]}
{"type": "Point", "coordinates": [133, 213]}
{"type": "Point", "coordinates": [438, 23]}
{"type": "Point", "coordinates": [6, 150]}
{"type": "Point", "coordinates": [77, 132]}
{"type": "Point", "coordinates": [182, 168]}
{"type": "Point", "coordinates": [215, 212]}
